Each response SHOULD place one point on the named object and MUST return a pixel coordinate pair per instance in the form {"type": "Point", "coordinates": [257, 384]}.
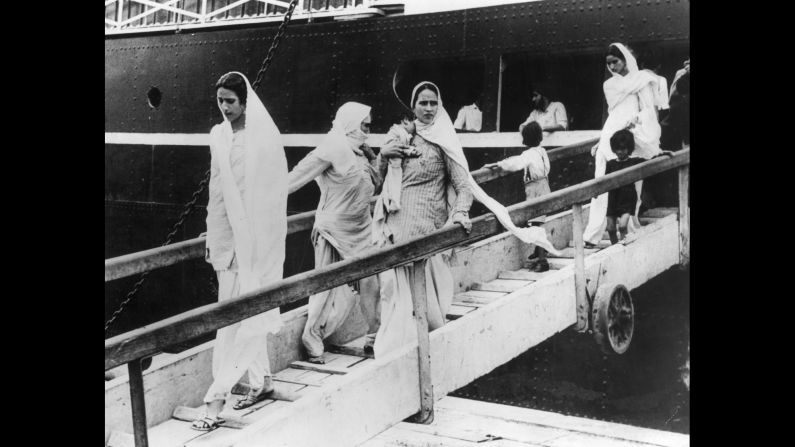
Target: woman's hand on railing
{"type": "Point", "coordinates": [593, 149]}
{"type": "Point", "coordinates": [492, 166]}
{"type": "Point", "coordinates": [462, 219]}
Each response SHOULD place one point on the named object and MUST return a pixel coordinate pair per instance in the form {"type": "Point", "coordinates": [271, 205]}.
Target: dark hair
{"type": "Point", "coordinates": [544, 100]}
{"type": "Point", "coordinates": [532, 135]}
{"type": "Point", "coordinates": [622, 138]}
{"type": "Point", "coordinates": [424, 86]}
{"type": "Point", "coordinates": [404, 115]}
{"type": "Point", "coordinates": [613, 50]}
{"type": "Point", "coordinates": [234, 82]}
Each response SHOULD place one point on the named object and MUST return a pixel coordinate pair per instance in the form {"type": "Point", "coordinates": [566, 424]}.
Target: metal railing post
{"type": "Point", "coordinates": [684, 216]}
{"type": "Point", "coordinates": [138, 403]}
{"type": "Point", "coordinates": [119, 13]}
{"type": "Point", "coordinates": [579, 268]}
{"type": "Point", "coordinates": [419, 298]}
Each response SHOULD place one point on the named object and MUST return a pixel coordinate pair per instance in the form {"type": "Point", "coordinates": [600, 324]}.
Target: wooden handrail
{"type": "Point", "coordinates": [152, 339]}
{"type": "Point", "coordinates": [154, 258]}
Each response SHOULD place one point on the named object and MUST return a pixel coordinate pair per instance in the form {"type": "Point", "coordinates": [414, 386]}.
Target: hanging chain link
{"type": "Point", "coordinates": [191, 205]}
{"type": "Point", "coordinates": [275, 44]}
{"type": "Point", "coordinates": [189, 208]}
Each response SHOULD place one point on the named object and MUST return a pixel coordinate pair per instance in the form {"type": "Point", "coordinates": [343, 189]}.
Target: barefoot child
{"type": "Point", "coordinates": [621, 202]}
{"type": "Point", "coordinates": [535, 163]}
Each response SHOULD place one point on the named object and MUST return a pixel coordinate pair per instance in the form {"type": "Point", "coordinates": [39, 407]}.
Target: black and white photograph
{"type": "Point", "coordinates": [397, 223]}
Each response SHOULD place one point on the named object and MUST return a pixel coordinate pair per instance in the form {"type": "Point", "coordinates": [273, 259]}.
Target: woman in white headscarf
{"type": "Point", "coordinates": [246, 231]}
{"type": "Point", "coordinates": [341, 166]}
{"type": "Point", "coordinates": [631, 101]}
{"type": "Point", "coordinates": [436, 190]}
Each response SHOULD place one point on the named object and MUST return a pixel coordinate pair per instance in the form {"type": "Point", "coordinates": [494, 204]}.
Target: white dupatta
{"type": "Point", "coordinates": [442, 133]}
{"type": "Point", "coordinates": [625, 112]}
{"type": "Point", "coordinates": [258, 218]}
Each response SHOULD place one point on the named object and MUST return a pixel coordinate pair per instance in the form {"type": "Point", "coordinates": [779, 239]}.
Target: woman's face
{"type": "Point", "coordinates": [230, 104]}
{"type": "Point", "coordinates": [365, 126]}
{"type": "Point", "coordinates": [616, 65]}
{"type": "Point", "coordinates": [426, 106]}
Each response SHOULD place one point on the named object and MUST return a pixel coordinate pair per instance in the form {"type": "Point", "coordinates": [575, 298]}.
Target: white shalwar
{"type": "Point", "coordinates": [246, 232]}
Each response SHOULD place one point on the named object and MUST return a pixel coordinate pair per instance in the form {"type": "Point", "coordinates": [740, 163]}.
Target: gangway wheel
{"type": "Point", "coordinates": [613, 318]}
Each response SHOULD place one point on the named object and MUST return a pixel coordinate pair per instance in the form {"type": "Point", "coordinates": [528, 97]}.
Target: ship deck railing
{"type": "Point", "coordinates": [159, 257]}
{"type": "Point", "coordinates": [131, 347]}
{"type": "Point", "coordinates": [137, 16]}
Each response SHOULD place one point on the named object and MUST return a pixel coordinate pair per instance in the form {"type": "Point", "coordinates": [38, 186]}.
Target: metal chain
{"type": "Point", "coordinates": [275, 44]}
{"type": "Point", "coordinates": [190, 206]}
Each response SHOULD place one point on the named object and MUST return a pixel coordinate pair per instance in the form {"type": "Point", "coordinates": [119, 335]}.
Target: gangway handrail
{"type": "Point", "coordinates": [151, 339]}
{"type": "Point", "coordinates": [158, 257]}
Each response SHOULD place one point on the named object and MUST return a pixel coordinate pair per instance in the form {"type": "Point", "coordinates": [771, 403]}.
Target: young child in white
{"type": "Point", "coordinates": [399, 134]}
{"type": "Point", "coordinates": [535, 163]}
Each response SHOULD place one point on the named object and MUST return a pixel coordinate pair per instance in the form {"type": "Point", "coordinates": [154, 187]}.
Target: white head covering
{"type": "Point", "coordinates": [643, 116]}
{"type": "Point", "coordinates": [346, 132]}
{"type": "Point", "coordinates": [258, 218]}
{"type": "Point", "coordinates": [442, 133]}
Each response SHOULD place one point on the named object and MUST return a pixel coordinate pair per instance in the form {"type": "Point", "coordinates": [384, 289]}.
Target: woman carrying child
{"type": "Point", "coordinates": [436, 191]}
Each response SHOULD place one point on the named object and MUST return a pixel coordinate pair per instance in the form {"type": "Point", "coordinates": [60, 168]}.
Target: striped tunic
{"type": "Point", "coordinates": [423, 203]}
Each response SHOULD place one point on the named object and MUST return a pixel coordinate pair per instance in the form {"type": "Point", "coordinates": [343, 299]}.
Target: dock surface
{"type": "Point", "coordinates": [463, 422]}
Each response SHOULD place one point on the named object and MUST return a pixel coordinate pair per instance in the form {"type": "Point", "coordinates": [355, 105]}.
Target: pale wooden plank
{"type": "Point", "coordinates": [523, 274]}
{"type": "Point", "coordinates": [342, 360]}
{"type": "Point", "coordinates": [569, 252]}
{"type": "Point", "coordinates": [191, 414]}
{"type": "Point", "coordinates": [559, 263]}
{"type": "Point", "coordinates": [281, 390]}
{"type": "Point", "coordinates": [215, 438]}
{"type": "Point", "coordinates": [172, 433]}
{"type": "Point", "coordinates": [319, 368]}
{"type": "Point", "coordinates": [356, 351]}
{"type": "Point", "coordinates": [457, 311]}
{"type": "Point", "coordinates": [419, 300]}
{"type": "Point", "coordinates": [405, 437]}
{"type": "Point", "coordinates": [602, 244]}
{"type": "Point", "coordinates": [445, 429]}
{"type": "Point", "coordinates": [120, 439]}
{"type": "Point", "coordinates": [471, 299]}
{"type": "Point", "coordinates": [660, 212]}
{"type": "Point", "coordinates": [684, 215]}
{"type": "Point", "coordinates": [484, 294]}
{"type": "Point", "coordinates": [501, 285]}
{"type": "Point", "coordinates": [560, 422]}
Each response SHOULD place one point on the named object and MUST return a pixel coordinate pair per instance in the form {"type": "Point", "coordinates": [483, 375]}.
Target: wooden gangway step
{"type": "Point", "coordinates": [290, 383]}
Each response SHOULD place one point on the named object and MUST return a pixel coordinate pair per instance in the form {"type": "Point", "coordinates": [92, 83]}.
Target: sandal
{"type": "Point", "coordinates": [541, 266]}
{"type": "Point", "coordinates": [531, 263]}
{"type": "Point", "coordinates": [369, 342]}
{"type": "Point", "coordinates": [319, 360]}
{"type": "Point", "coordinates": [251, 398]}
{"type": "Point", "coordinates": [207, 423]}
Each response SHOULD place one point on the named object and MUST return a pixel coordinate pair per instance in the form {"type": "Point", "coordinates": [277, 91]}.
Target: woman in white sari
{"type": "Point", "coordinates": [436, 191]}
{"type": "Point", "coordinates": [341, 166]}
{"type": "Point", "coordinates": [246, 231]}
{"type": "Point", "coordinates": [631, 101]}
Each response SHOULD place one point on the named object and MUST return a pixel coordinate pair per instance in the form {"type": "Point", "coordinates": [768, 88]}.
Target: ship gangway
{"type": "Point", "coordinates": [500, 311]}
